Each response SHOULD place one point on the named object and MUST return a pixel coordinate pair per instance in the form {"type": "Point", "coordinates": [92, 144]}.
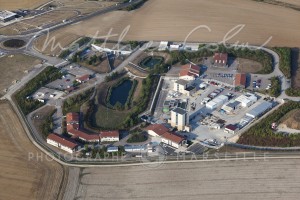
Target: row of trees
{"type": "Point", "coordinates": [47, 126]}
{"type": "Point", "coordinates": [285, 55]}
{"type": "Point", "coordinates": [73, 104]}
{"type": "Point", "coordinates": [275, 89]}
{"type": "Point", "coordinates": [113, 76]}
{"type": "Point", "coordinates": [262, 134]}
{"type": "Point", "coordinates": [141, 104]}
{"type": "Point", "coordinates": [23, 97]}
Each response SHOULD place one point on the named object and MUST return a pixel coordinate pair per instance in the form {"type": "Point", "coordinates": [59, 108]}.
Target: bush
{"type": "Point", "coordinates": [261, 134]}
{"type": "Point", "coordinates": [47, 126]}
{"type": "Point", "coordinates": [275, 89]}
{"type": "Point", "coordinates": [285, 56]}
{"type": "Point", "coordinates": [73, 104]}
{"type": "Point", "coordinates": [137, 137]}
{"type": "Point", "coordinates": [293, 92]}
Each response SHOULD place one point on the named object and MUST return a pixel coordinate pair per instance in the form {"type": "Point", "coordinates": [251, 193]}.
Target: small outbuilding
{"type": "Point", "coordinates": [230, 129]}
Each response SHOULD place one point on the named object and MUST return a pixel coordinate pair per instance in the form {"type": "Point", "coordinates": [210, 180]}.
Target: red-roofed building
{"type": "Point", "coordinates": [156, 130]}
{"type": "Point", "coordinates": [240, 80]}
{"type": "Point", "coordinates": [220, 59]}
{"type": "Point", "coordinates": [230, 129]}
{"type": "Point", "coordinates": [172, 139]}
{"type": "Point", "coordinates": [189, 72]}
{"type": "Point", "coordinates": [109, 136]}
{"type": "Point", "coordinates": [62, 143]}
{"type": "Point", "coordinates": [83, 78]}
{"type": "Point", "coordinates": [72, 118]}
{"type": "Point", "coordinates": [84, 136]}
{"type": "Point", "coordinates": [72, 126]}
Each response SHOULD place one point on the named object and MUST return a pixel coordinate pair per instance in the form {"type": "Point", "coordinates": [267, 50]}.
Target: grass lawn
{"type": "Point", "coordinates": [109, 118]}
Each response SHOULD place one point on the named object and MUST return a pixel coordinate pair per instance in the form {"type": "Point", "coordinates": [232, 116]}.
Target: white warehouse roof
{"type": "Point", "coordinates": [247, 99]}
{"type": "Point", "coordinates": [211, 105]}
{"type": "Point", "coordinates": [258, 110]}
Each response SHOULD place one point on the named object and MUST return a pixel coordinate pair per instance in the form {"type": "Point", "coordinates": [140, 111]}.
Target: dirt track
{"type": "Point", "coordinates": [173, 20]}
{"type": "Point", "coordinates": [21, 177]}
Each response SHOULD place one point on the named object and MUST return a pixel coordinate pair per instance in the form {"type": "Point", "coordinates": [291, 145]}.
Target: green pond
{"type": "Point", "coordinates": [151, 61]}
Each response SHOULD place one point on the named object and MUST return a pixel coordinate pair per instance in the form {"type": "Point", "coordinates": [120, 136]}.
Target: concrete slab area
{"type": "Point", "coordinates": [270, 179]}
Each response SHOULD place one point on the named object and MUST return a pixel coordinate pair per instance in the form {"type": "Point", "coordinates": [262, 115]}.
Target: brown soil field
{"type": "Point", "coordinates": [13, 68]}
{"type": "Point", "coordinates": [22, 177]}
{"type": "Point", "coordinates": [21, 4]}
{"type": "Point", "coordinates": [249, 66]}
{"type": "Point", "coordinates": [292, 119]}
{"type": "Point", "coordinates": [173, 20]}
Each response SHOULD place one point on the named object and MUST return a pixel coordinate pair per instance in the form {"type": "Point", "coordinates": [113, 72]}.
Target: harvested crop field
{"type": "Point", "coordinates": [270, 179]}
{"type": "Point", "coordinates": [22, 177]}
{"type": "Point", "coordinates": [21, 4]}
{"type": "Point", "coordinates": [13, 68]}
{"type": "Point", "coordinates": [173, 20]}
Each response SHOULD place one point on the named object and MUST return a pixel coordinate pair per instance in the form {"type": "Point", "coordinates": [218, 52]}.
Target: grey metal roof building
{"type": "Point", "coordinates": [260, 109]}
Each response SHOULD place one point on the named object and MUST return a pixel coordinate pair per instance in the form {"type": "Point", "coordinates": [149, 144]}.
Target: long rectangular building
{"type": "Point", "coordinates": [260, 109]}
{"type": "Point", "coordinates": [62, 143]}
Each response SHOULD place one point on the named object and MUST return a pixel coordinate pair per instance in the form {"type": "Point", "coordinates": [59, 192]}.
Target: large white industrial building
{"type": "Point", "coordinates": [217, 102]}
{"type": "Point", "coordinates": [247, 100]}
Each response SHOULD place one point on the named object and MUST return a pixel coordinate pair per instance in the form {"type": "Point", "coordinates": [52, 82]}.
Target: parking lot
{"type": "Point", "coordinates": [44, 94]}
{"type": "Point", "coordinates": [77, 70]}
{"type": "Point", "coordinates": [64, 83]}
